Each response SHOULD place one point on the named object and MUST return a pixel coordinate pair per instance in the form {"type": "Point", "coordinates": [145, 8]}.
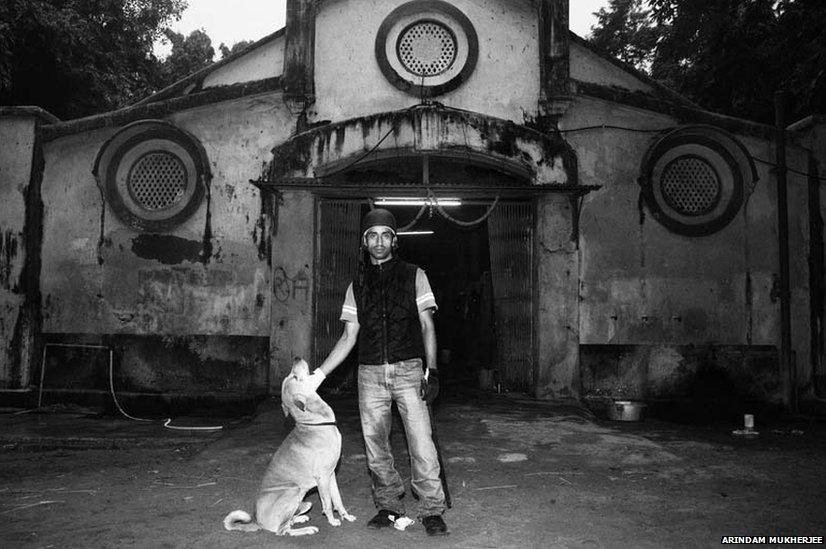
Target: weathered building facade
{"type": "Point", "coordinates": [604, 234]}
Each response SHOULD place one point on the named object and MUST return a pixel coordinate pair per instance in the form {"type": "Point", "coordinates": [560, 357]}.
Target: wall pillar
{"type": "Point", "coordinates": [558, 298]}
{"type": "Point", "coordinates": [299, 52]}
{"type": "Point", "coordinates": [293, 253]}
{"type": "Point", "coordinates": [21, 237]}
{"type": "Point", "coordinates": [554, 62]}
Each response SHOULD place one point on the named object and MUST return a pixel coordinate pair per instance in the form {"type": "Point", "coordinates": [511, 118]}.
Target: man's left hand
{"type": "Point", "coordinates": [430, 389]}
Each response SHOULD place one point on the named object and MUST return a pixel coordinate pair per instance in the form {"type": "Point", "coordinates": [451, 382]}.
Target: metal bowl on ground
{"type": "Point", "coordinates": [625, 410]}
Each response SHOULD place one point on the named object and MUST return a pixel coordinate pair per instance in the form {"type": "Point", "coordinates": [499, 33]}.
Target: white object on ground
{"type": "Point", "coordinates": [511, 458]}
{"type": "Point", "coordinates": [402, 523]}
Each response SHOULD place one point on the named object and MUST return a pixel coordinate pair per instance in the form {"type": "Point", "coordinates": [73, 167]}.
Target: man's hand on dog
{"type": "Point", "coordinates": [315, 379]}
{"type": "Point", "coordinates": [430, 386]}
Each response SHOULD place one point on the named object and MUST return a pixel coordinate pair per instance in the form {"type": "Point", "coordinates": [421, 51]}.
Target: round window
{"type": "Point", "coordinates": [157, 181]}
{"type": "Point", "coordinates": [690, 185]}
{"type": "Point", "coordinates": [427, 48]}
{"type": "Point", "coordinates": [695, 179]}
{"type": "Point", "coordinates": [154, 175]}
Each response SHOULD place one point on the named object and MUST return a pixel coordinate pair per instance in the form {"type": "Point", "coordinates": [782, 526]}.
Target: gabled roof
{"type": "Point", "coordinates": [194, 81]}
{"type": "Point", "coordinates": [660, 91]}
{"type": "Point", "coordinates": [660, 98]}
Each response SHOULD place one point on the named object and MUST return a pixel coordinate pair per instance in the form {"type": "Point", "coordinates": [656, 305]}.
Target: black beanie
{"type": "Point", "coordinates": [378, 216]}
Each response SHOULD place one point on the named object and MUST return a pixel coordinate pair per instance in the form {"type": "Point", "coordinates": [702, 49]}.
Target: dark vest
{"type": "Point", "coordinates": [388, 315]}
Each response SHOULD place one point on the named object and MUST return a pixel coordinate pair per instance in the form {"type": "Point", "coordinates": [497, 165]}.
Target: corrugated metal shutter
{"type": "Point", "coordinates": [338, 247]}
{"type": "Point", "coordinates": [510, 229]}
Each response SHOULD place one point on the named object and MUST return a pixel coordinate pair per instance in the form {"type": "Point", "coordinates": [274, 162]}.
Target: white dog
{"type": "Point", "coordinates": [307, 458]}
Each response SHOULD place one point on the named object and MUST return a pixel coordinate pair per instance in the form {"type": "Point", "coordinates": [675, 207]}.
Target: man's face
{"type": "Point", "coordinates": [379, 242]}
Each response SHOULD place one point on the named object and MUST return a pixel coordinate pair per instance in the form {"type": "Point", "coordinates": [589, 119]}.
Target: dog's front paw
{"type": "Point", "coordinates": [348, 517]}
{"type": "Point", "coordinates": [334, 521]}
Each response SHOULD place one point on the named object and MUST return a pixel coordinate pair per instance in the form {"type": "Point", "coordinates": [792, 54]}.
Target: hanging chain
{"type": "Point", "coordinates": [416, 219]}
{"type": "Point", "coordinates": [435, 202]}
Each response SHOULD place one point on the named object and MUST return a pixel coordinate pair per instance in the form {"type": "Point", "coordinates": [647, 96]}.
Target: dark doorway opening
{"type": "Point", "coordinates": [457, 262]}
{"type": "Point", "coordinates": [482, 277]}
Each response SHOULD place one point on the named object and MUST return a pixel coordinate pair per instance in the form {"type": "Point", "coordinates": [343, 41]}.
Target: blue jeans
{"type": "Point", "coordinates": [379, 386]}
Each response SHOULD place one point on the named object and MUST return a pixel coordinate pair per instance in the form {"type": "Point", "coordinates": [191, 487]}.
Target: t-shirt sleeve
{"type": "Point", "coordinates": [424, 294]}
{"type": "Point", "coordinates": [349, 312]}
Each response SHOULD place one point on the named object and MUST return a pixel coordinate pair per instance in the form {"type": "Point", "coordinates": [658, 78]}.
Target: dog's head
{"type": "Point", "coordinates": [298, 400]}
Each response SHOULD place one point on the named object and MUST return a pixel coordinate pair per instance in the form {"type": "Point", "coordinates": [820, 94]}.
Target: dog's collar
{"type": "Point", "coordinates": [316, 424]}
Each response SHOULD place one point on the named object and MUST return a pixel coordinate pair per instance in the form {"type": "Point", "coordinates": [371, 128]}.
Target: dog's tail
{"type": "Point", "coordinates": [240, 520]}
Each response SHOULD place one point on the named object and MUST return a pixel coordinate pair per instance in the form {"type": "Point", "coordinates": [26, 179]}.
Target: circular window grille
{"type": "Point", "coordinates": [690, 185]}
{"type": "Point", "coordinates": [694, 179]}
{"type": "Point", "coordinates": [157, 181]}
{"type": "Point", "coordinates": [427, 48]}
{"type": "Point", "coordinates": [155, 175]}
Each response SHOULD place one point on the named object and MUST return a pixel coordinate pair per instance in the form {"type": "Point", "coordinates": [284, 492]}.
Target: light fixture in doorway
{"type": "Point", "coordinates": [415, 233]}
{"type": "Point", "coordinates": [411, 201]}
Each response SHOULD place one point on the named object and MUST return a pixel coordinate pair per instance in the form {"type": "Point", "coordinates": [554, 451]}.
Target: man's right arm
{"type": "Point", "coordinates": [342, 347]}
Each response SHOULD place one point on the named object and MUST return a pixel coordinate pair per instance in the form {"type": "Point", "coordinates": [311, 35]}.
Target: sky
{"type": "Point", "coordinates": [253, 19]}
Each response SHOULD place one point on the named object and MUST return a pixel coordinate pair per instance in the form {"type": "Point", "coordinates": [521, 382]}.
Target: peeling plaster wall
{"type": "Point", "coordinates": [209, 277]}
{"type": "Point", "coordinates": [349, 82]}
{"type": "Point", "coordinates": [263, 62]}
{"type": "Point", "coordinates": [643, 286]}
{"type": "Point", "coordinates": [17, 135]}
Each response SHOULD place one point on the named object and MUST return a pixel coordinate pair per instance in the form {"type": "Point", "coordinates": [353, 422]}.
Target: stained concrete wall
{"type": "Point", "coordinates": [17, 134]}
{"type": "Point", "coordinates": [558, 314]}
{"type": "Point", "coordinates": [209, 277]}
{"type": "Point", "coordinates": [349, 83]}
{"type": "Point", "coordinates": [643, 287]}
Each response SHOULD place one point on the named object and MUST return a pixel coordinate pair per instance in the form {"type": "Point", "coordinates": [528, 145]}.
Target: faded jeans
{"type": "Point", "coordinates": [379, 385]}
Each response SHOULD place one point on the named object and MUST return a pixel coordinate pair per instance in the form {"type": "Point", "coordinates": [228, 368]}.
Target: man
{"type": "Point", "coordinates": [388, 309]}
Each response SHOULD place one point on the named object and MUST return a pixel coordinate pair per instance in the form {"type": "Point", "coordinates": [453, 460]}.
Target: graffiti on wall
{"type": "Point", "coordinates": [286, 287]}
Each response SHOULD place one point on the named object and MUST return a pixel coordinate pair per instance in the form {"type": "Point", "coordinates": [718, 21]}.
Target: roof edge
{"type": "Point", "coordinates": [807, 123]}
{"type": "Point", "coordinates": [681, 113]}
{"type": "Point", "coordinates": [180, 85]}
{"type": "Point", "coordinates": [160, 108]}
{"type": "Point", "coordinates": [42, 115]}
{"type": "Point", "coordinates": [636, 73]}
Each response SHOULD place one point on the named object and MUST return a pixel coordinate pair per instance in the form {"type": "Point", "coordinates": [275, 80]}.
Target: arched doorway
{"type": "Point", "coordinates": [471, 229]}
{"type": "Point", "coordinates": [340, 167]}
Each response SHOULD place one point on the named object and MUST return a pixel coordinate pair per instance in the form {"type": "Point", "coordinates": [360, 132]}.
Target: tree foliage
{"type": "Point", "coordinates": [238, 46]}
{"type": "Point", "coordinates": [624, 30]}
{"type": "Point", "coordinates": [729, 56]}
{"type": "Point", "coordinates": [78, 57]}
{"type": "Point", "coordinates": [189, 54]}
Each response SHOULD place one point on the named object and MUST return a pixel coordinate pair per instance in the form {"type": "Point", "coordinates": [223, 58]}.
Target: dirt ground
{"type": "Point", "coordinates": [521, 473]}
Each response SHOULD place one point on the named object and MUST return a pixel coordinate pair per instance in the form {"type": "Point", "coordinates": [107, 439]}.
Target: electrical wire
{"type": "Point", "coordinates": [166, 423]}
{"type": "Point", "coordinates": [652, 130]}
{"type": "Point", "coordinates": [798, 172]}
{"type": "Point", "coordinates": [610, 127]}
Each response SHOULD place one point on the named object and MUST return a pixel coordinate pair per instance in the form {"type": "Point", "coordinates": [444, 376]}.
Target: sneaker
{"type": "Point", "coordinates": [434, 525]}
{"type": "Point", "coordinates": [383, 519]}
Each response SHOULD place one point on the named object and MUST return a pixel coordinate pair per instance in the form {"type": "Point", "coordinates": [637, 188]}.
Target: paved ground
{"type": "Point", "coordinates": [522, 474]}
